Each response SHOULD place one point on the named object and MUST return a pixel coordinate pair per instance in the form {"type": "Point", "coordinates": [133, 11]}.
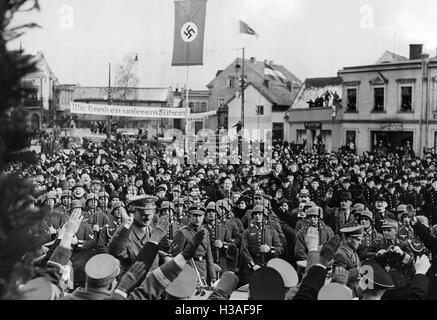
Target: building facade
{"type": "Point", "coordinates": [386, 106]}
{"type": "Point", "coordinates": [39, 89]}
{"type": "Point", "coordinates": [227, 85]}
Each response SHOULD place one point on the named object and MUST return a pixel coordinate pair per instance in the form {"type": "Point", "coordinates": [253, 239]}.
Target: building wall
{"type": "Point", "coordinates": [255, 124]}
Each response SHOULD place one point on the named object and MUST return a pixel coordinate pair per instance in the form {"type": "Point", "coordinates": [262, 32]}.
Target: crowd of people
{"type": "Point", "coordinates": [123, 223]}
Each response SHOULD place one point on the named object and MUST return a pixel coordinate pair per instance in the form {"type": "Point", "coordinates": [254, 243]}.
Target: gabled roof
{"type": "Point", "coordinates": [390, 57]}
{"type": "Point", "coordinates": [277, 95]}
{"type": "Point", "coordinates": [133, 94]}
{"type": "Point", "coordinates": [258, 68]}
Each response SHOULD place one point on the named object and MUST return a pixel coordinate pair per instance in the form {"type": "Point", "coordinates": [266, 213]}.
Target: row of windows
{"type": "Point", "coordinates": [198, 107]}
{"type": "Point", "coordinates": [405, 99]}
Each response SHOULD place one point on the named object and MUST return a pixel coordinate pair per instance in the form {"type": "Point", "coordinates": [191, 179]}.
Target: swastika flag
{"type": "Point", "coordinates": [189, 32]}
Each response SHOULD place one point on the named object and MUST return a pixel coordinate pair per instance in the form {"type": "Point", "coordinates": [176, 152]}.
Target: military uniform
{"type": "Point", "coordinates": [203, 257]}
{"type": "Point", "coordinates": [125, 244]}
{"type": "Point", "coordinates": [252, 240]}
{"type": "Point", "coordinates": [347, 257]}
{"type": "Point", "coordinates": [400, 268]}
{"type": "Point", "coordinates": [218, 231]}
{"type": "Point", "coordinates": [417, 200]}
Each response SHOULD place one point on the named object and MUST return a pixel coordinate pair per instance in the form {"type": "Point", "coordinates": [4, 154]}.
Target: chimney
{"type": "Point", "coordinates": [265, 61]}
{"type": "Point", "coordinates": [271, 62]}
{"type": "Point", "coordinates": [252, 59]}
{"type": "Point", "coordinates": [416, 51]}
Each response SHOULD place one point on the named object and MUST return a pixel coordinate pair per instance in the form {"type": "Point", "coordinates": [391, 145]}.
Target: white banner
{"type": "Point", "coordinates": [128, 111]}
{"type": "Point", "coordinates": [201, 116]}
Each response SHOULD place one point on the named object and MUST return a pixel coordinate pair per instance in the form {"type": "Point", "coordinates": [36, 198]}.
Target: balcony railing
{"type": "Point", "coordinates": [32, 103]}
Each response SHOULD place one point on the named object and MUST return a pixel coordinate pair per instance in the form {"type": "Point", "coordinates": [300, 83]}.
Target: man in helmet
{"type": "Point", "coordinates": [167, 208]}
{"type": "Point", "coordinates": [370, 234]}
{"type": "Point", "coordinates": [259, 244]}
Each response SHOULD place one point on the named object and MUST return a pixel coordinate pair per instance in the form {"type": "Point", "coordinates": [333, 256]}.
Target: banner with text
{"type": "Point", "coordinates": [128, 111]}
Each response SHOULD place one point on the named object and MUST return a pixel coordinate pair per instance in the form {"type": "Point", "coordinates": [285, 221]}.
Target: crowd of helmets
{"type": "Point", "coordinates": [335, 214]}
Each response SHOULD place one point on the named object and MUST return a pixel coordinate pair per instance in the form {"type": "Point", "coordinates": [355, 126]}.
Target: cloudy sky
{"type": "Point", "coordinates": [311, 38]}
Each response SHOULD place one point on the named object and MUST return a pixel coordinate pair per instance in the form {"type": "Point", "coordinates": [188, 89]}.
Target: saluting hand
{"type": "Point", "coordinates": [127, 219]}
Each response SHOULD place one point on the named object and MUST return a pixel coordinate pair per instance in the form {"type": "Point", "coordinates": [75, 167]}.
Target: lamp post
{"type": "Point", "coordinates": [108, 131]}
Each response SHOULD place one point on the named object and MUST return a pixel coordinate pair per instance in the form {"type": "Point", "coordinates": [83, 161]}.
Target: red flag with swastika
{"type": "Point", "coordinates": [189, 32]}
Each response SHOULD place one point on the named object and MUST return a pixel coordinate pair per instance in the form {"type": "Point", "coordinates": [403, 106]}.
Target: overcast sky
{"type": "Point", "coordinates": [311, 38]}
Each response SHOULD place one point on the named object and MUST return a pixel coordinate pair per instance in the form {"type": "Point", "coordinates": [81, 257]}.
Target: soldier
{"type": "Point", "coordinates": [219, 236]}
{"type": "Point", "coordinates": [395, 255]}
{"type": "Point", "coordinates": [203, 259]}
{"type": "Point", "coordinates": [96, 186]}
{"type": "Point", "coordinates": [431, 203]}
{"type": "Point", "coordinates": [346, 256]}
{"type": "Point", "coordinates": [54, 218]}
{"type": "Point", "coordinates": [415, 198]}
{"type": "Point", "coordinates": [392, 197]}
{"type": "Point", "coordinates": [65, 206]}
{"type": "Point", "coordinates": [101, 274]}
{"type": "Point", "coordinates": [369, 192]}
{"type": "Point", "coordinates": [79, 192]}
{"type": "Point", "coordinates": [370, 234]}
{"type": "Point", "coordinates": [176, 192]}
{"type": "Point", "coordinates": [375, 281]}
{"type": "Point", "coordinates": [180, 213]}
{"type": "Point", "coordinates": [115, 220]}
{"type": "Point", "coordinates": [94, 215]}
{"type": "Point", "coordinates": [260, 243]}
{"type": "Point", "coordinates": [316, 227]}
{"type": "Point", "coordinates": [167, 208]}
{"type": "Point", "coordinates": [103, 202]}
{"type": "Point", "coordinates": [161, 191]}
{"type": "Point", "coordinates": [406, 231]}
{"type": "Point", "coordinates": [134, 232]}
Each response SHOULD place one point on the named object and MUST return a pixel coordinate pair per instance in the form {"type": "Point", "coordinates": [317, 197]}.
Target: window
{"type": "Point", "coordinates": [191, 107]}
{"type": "Point", "coordinates": [351, 102]}
{"type": "Point", "coordinates": [203, 107]}
{"type": "Point", "coordinates": [259, 110]}
{"type": "Point", "coordinates": [378, 98]}
{"type": "Point", "coordinates": [406, 98]}
{"type": "Point", "coordinates": [301, 135]}
{"type": "Point", "coordinates": [231, 82]}
{"type": "Point", "coordinates": [198, 125]}
{"type": "Point", "coordinates": [197, 107]}
{"type": "Point", "coordinates": [351, 137]}
{"type": "Point", "coordinates": [221, 102]}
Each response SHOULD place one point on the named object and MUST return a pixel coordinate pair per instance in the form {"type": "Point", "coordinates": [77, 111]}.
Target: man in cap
{"type": "Point", "coordinates": [374, 281]}
{"type": "Point", "coordinates": [101, 273]}
{"type": "Point", "coordinates": [392, 197]}
{"type": "Point", "coordinates": [431, 202]}
{"type": "Point", "coordinates": [203, 259]}
{"type": "Point", "coordinates": [316, 228]}
{"type": "Point", "coordinates": [346, 256]}
{"type": "Point", "coordinates": [381, 212]}
{"type": "Point", "coordinates": [259, 244]}
{"type": "Point", "coordinates": [405, 213]}
{"type": "Point", "coordinates": [369, 192]}
{"type": "Point", "coordinates": [370, 234]}
{"type": "Point", "coordinates": [343, 216]}
{"type": "Point", "coordinates": [134, 232]}
{"type": "Point", "coordinates": [335, 200]}
{"type": "Point", "coordinates": [396, 257]}
{"type": "Point", "coordinates": [219, 236]}
{"type": "Point", "coordinates": [416, 198]}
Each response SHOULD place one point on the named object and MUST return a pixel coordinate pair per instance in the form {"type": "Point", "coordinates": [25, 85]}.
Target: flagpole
{"type": "Point", "coordinates": [187, 108]}
{"type": "Point", "coordinates": [242, 94]}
